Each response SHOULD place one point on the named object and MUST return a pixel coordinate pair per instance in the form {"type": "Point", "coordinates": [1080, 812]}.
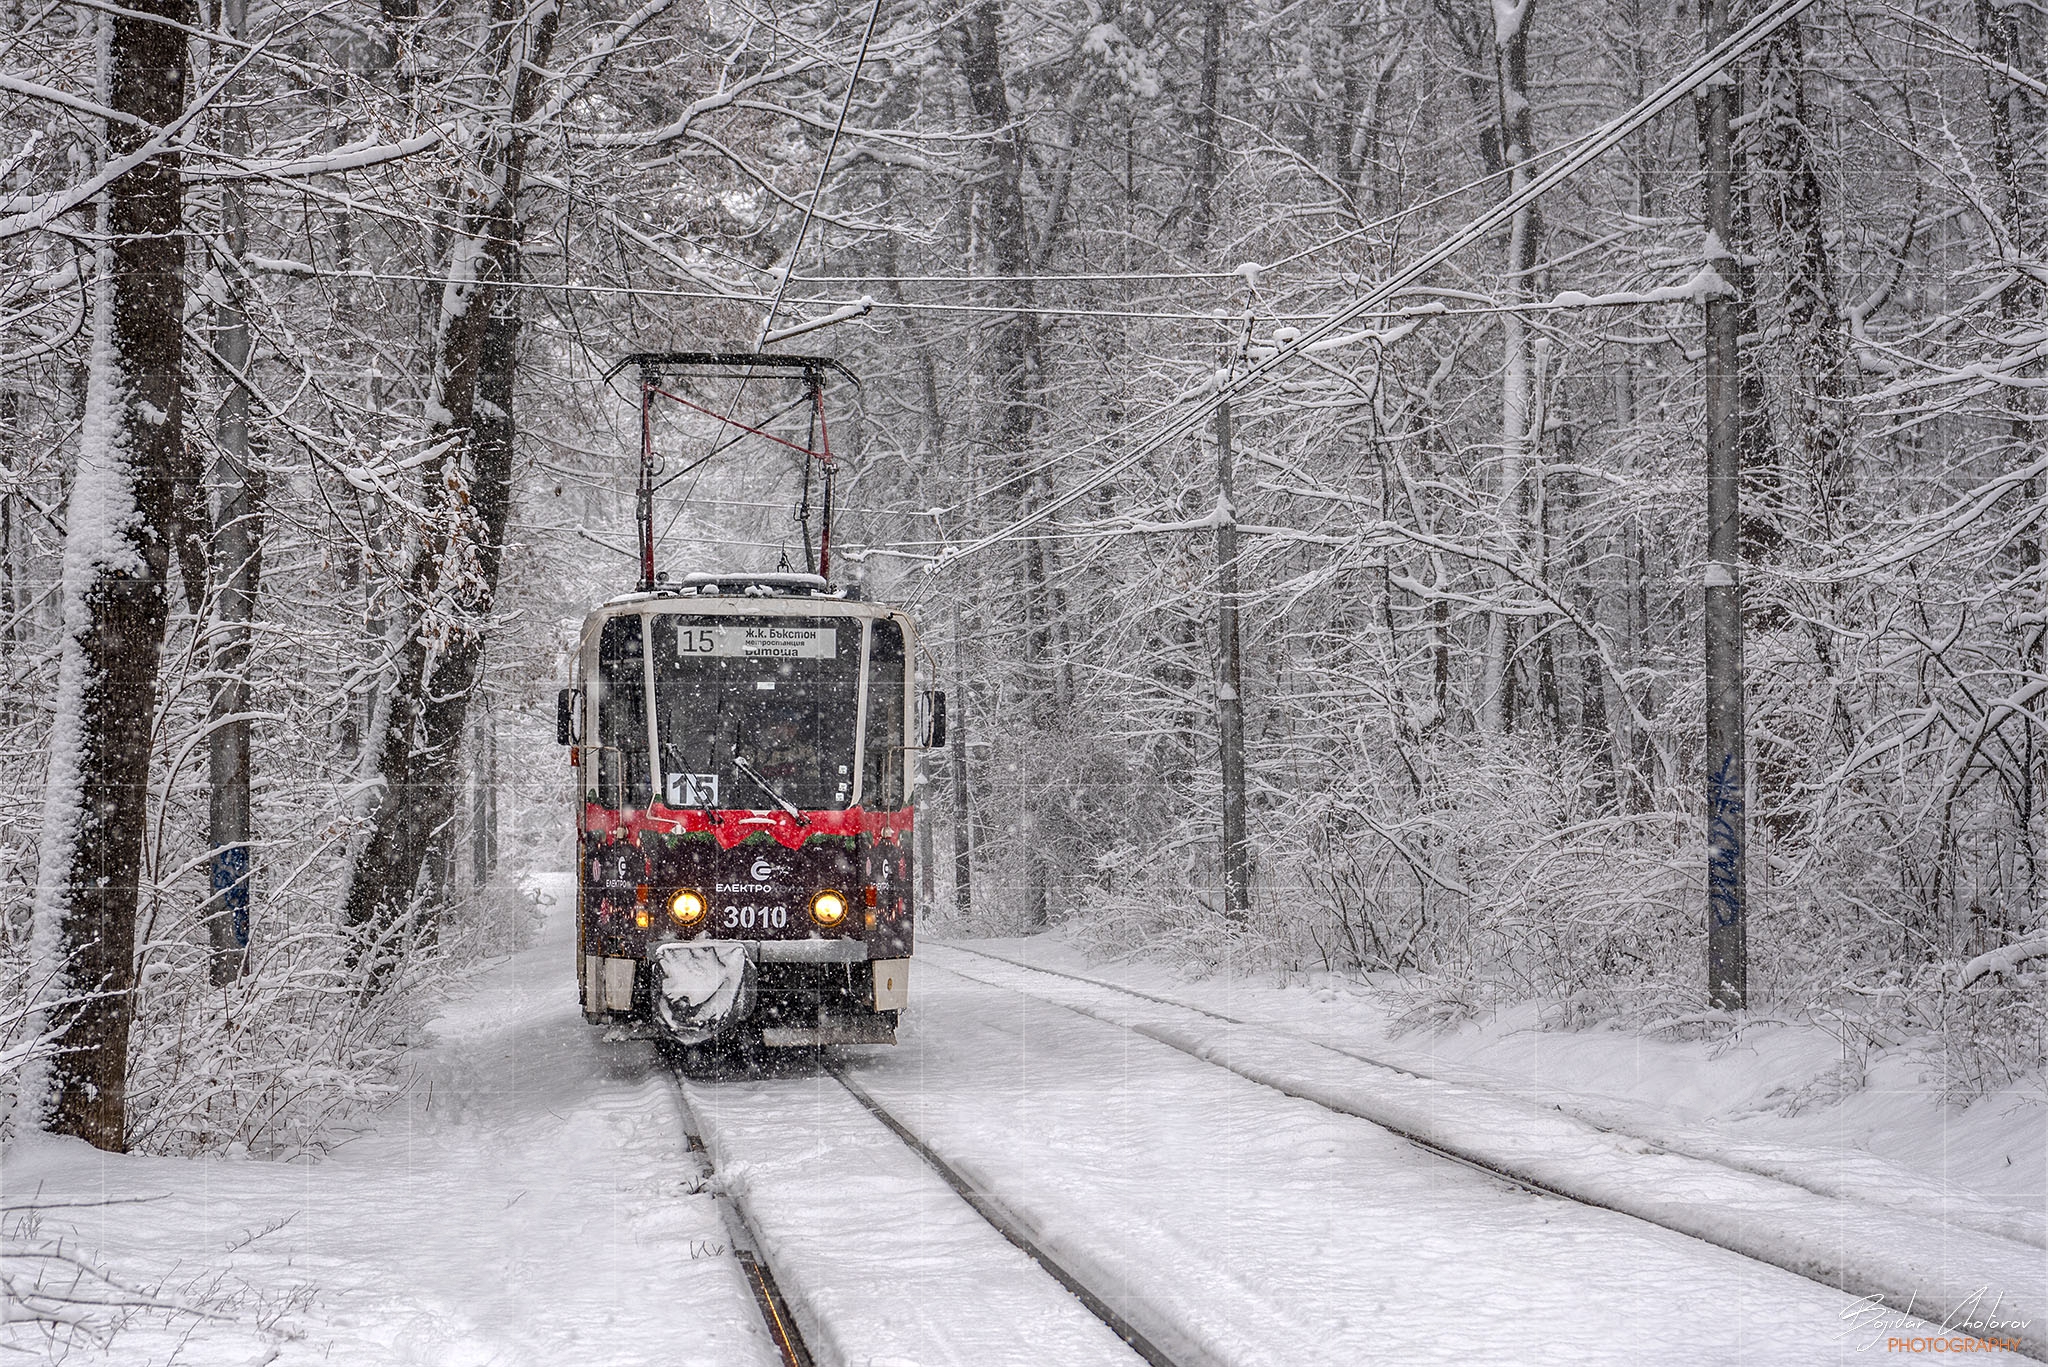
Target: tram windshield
{"type": "Point", "coordinates": [782, 692]}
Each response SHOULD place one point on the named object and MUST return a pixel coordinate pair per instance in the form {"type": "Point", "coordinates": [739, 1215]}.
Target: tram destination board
{"type": "Point", "coordinates": [758, 640]}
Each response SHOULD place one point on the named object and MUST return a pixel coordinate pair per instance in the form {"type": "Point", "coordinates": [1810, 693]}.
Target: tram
{"type": "Point", "coordinates": [745, 754]}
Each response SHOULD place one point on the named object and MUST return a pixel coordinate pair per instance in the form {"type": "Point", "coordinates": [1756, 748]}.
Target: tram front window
{"type": "Point", "coordinates": [784, 692]}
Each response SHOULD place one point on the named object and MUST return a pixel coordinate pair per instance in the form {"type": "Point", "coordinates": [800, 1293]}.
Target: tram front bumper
{"type": "Point", "coordinates": [701, 990]}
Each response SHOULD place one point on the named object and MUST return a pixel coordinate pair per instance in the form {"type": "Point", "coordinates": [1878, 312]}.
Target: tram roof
{"type": "Point", "coordinates": [749, 590]}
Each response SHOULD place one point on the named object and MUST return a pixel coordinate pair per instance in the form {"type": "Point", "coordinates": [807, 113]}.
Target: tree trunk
{"type": "Point", "coordinates": [237, 567]}
{"type": "Point", "coordinates": [1814, 357]}
{"type": "Point", "coordinates": [1208, 121]}
{"type": "Point", "coordinates": [454, 566]}
{"type": "Point", "coordinates": [1016, 371]}
{"type": "Point", "coordinates": [956, 738]}
{"type": "Point", "coordinates": [483, 810]}
{"type": "Point", "coordinates": [1517, 403]}
{"type": "Point", "coordinates": [117, 557]}
{"type": "Point", "coordinates": [2010, 37]}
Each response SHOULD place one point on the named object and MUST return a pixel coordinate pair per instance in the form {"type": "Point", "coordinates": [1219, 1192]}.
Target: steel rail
{"type": "Point", "coordinates": [775, 1313]}
{"type": "Point", "coordinates": [2031, 1343]}
{"type": "Point", "coordinates": [768, 1299]}
{"type": "Point", "coordinates": [1004, 1222]}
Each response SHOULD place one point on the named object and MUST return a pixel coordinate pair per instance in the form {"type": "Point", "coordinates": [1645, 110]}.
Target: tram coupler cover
{"type": "Point", "coordinates": [701, 990]}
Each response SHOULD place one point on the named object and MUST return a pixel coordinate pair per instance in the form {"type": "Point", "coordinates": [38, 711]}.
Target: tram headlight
{"type": "Point", "coordinates": [828, 908]}
{"type": "Point", "coordinates": [688, 907]}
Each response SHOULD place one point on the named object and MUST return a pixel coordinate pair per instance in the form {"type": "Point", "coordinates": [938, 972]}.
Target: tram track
{"type": "Point", "coordinates": [2002, 1229]}
{"type": "Point", "coordinates": [1004, 1221]}
{"type": "Point", "coordinates": [784, 1317]}
{"type": "Point", "coordinates": [746, 1251]}
{"type": "Point", "coordinates": [1820, 1260]}
{"type": "Point", "coordinates": [1082, 1262]}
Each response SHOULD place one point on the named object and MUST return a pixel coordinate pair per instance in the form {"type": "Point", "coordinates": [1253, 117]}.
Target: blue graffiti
{"type": "Point", "coordinates": [229, 877]}
{"type": "Point", "coordinates": [1724, 845]}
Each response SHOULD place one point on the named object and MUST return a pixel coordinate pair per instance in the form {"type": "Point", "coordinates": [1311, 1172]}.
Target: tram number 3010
{"type": "Point", "coordinates": [749, 917]}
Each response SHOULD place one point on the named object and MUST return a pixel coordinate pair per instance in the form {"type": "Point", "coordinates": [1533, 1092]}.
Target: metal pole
{"type": "Point", "coordinates": [644, 497]}
{"type": "Point", "coordinates": [1727, 896]}
{"type": "Point", "coordinates": [1229, 702]}
{"type": "Point", "coordinates": [825, 527]}
{"type": "Point", "coordinates": [825, 453]}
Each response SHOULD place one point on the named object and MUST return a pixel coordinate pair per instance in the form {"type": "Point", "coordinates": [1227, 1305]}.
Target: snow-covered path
{"type": "Point", "coordinates": [1232, 1224]}
{"type": "Point", "coordinates": [536, 1204]}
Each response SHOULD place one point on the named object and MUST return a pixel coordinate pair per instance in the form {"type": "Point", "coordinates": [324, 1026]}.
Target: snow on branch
{"type": "Point", "coordinates": [64, 99]}
{"type": "Point", "coordinates": [29, 213]}
{"type": "Point", "coordinates": [354, 157]}
{"type": "Point", "coordinates": [2004, 961]}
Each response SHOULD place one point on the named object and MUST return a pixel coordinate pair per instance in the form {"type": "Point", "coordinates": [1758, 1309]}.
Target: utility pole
{"type": "Point", "coordinates": [1237, 879]}
{"type": "Point", "coordinates": [1727, 894]}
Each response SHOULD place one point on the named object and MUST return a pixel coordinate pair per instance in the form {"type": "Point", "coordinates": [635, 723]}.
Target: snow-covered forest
{"type": "Point", "coordinates": [313, 462]}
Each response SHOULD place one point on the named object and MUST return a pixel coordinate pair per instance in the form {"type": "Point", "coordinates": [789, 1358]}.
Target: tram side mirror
{"type": "Point", "coordinates": [938, 738]}
{"type": "Point", "coordinates": [565, 716]}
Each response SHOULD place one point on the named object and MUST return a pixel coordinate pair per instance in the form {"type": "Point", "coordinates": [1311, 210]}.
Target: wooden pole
{"type": "Point", "coordinates": [1229, 682]}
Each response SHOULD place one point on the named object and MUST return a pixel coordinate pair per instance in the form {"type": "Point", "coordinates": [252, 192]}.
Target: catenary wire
{"type": "Point", "coordinates": [796, 250]}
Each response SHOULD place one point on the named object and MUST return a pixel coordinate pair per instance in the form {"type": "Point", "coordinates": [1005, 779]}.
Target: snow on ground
{"type": "Point", "coordinates": [882, 1264]}
{"type": "Point", "coordinates": [1774, 1097]}
{"type": "Point", "coordinates": [533, 1203]}
{"type": "Point", "coordinates": [1236, 1225]}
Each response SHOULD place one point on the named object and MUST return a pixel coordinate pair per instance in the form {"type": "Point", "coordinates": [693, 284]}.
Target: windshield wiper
{"type": "Point", "coordinates": [739, 762]}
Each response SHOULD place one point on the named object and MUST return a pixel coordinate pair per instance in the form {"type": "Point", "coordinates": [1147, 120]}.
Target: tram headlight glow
{"type": "Point", "coordinates": [828, 908]}
{"type": "Point", "coordinates": [688, 907]}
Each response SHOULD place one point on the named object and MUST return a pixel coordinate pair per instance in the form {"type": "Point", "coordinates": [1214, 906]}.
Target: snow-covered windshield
{"type": "Point", "coordinates": [782, 691]}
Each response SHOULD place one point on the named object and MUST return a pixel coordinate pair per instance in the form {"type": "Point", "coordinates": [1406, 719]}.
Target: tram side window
{"type": "Point", "coordinates": [885, 757]}
{"type": "Point", "coordinates": [622, 768]}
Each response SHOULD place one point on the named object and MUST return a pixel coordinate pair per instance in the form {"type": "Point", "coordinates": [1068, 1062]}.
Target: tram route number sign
{"type": "Point", "coordinates": [690, 790]}
{"type": "Point", "coordinates": [759, 640]}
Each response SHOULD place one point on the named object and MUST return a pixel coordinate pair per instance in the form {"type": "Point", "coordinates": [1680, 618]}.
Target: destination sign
{"type": "Point", "coordinates": [759, 640]}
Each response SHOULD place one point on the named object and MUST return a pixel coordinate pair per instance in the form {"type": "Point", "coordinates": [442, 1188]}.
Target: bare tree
{"type": "Point", "coordinates": [457, 555]}
{"type": "Point", "coordinates": [117, 560]}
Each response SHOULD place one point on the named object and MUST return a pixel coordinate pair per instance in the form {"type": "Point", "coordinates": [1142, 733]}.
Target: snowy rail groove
{"type": "Point", "coordinates": [1239, 1198]}
{"type": "Point", "coordinates": [879, 1259]}
{"type": "Point", "coordinates": [1938, 1271]}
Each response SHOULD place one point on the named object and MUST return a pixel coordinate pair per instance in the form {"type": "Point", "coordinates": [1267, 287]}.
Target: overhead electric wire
{"type": "Point", "coordinates": [775, 305]}
{"type": "Point", "coordinates": [1604, 139]}
{"type": "Point", "coordinates": [652, 292]}
{"type": "Point", "coordinates": [1349, 234]}
{"type": "Point", "coordinates": [852, 83]}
